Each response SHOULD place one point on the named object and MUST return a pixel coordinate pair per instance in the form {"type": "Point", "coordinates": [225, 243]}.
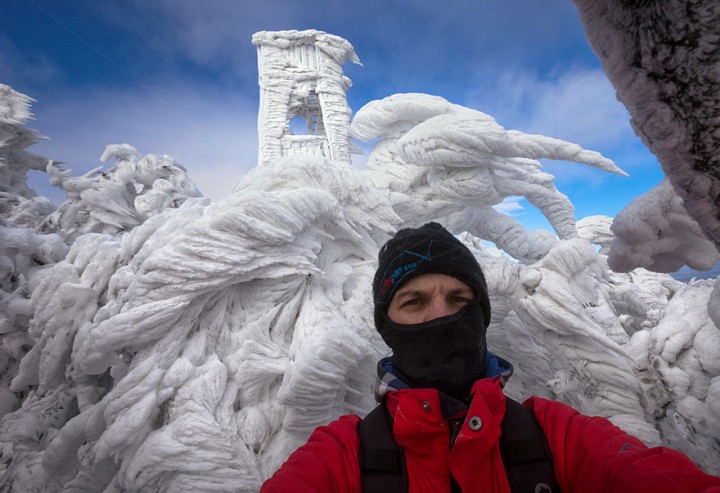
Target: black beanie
{"type": "Point", "coordinates": [429, 249]}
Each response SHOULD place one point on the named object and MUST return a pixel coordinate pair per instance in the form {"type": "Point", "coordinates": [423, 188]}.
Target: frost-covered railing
{"type": "Point", "coordinates": [304, 56]}
{"type": "Point", "coordinates": [305, 145]}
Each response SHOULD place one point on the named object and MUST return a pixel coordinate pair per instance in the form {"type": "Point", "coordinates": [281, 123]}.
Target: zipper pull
{"type": "Point", "coordinates": [456, 425]}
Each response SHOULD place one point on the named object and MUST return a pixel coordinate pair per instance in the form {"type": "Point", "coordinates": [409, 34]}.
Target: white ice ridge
{"type": "Point", "coordinates": [564, 294]}
{"type": "Point", "coordinates": [14, 106]}
{"type": "Point", "coordinates": [25, 250]}
{"type": "Point", "coordinates": [678, 362]}
{"type": "Point", "coordinates": [20, 204]}
{"type": "Point", "coordinates": [664, 60]}
{"type": "Point", "coordinates": [596, 229]}
{"type": "Point", "coordinates": [445, 161]}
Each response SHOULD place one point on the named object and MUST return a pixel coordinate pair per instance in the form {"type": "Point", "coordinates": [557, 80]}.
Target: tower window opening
{"type": "Point", "coordinates": [298, 126]}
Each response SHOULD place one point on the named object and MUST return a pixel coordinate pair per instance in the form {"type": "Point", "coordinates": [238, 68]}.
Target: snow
{"type": "Point", "coordinates": [151, 339]}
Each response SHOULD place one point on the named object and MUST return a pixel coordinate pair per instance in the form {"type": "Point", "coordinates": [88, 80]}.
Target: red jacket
{"type": "Point", "coordinates": [590, 454]}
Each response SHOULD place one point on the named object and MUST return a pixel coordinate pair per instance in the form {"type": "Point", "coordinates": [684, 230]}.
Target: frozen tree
{"type": "Point", "coordinates": [117, 200]}
{"type": "Point", "coordinates": [24, 252]}
{"type": "Point", "coordinates": [35, 349]}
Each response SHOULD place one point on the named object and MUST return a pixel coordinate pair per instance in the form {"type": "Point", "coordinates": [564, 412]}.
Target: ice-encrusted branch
{"type": "Point", "coordinates": [663, 59]}
{"type": "Point", "coordinates": [449, 160]}
{"type": "Point", "coordinates": [135, 188]}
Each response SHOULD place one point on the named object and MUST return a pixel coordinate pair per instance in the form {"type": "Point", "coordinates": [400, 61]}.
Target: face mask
{"type": "Point", "coordinates": [448, 354]}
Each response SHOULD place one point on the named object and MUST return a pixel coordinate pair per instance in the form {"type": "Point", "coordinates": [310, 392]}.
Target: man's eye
{"type": "Point", "coordinates": [460, 299]}
{"type": "Point", "coordinates": [414, 301]}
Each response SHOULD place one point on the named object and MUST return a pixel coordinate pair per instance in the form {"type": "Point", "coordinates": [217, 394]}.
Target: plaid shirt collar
{"type": "Point", "coordinates": [389, 382]}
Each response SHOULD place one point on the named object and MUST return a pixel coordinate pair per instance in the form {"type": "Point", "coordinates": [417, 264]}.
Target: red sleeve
{"type": "Point", "coordinates": [328, 462]}
{"type": "Point", "coordinates": [591, 454]}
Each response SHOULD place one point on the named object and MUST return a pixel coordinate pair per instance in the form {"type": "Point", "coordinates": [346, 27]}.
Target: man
{"type": "Point", "coordinates": [441, 394]}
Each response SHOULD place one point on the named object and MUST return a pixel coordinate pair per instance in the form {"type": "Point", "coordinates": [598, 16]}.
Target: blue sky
{"type": "Point", "coordinates": [180, 77]}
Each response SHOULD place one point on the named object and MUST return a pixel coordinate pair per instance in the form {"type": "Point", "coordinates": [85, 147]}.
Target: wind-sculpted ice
{"type": "Point", "coordinates": [664, 60]}
{"type": "Point", "coordinates": [564, 294]}
{"type": "Point", "coordinates": [596, 230]}
{"type": "Point", "coordinates": [678, 365]}
{"type": "Point", "coordinates": [655, 232]}
{"type": "Point", "coordinates": [675, 345]}
{"type": "Point", "coordinates": [212, 338]}
{"type": "Point", "coordinates": [134, 188]}
{"type": "Point", "coordinates": [448, 162]}
{"type": "Point", "coordinates": [19, 204]}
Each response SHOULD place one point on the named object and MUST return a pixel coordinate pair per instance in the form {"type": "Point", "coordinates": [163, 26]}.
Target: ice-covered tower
{"type": "Point", "coordinates": [301, 78]}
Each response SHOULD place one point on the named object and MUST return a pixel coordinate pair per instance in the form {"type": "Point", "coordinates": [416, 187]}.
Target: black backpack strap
{"type": "Point", "coordinates": [382, 461]}
{"type": "Point", "coordinates": [525, 452]}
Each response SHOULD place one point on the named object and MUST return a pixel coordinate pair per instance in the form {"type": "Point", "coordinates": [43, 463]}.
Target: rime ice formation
{"type": "Point", "coordinates": [656, 233]}
{"type": "Point", "coordinates": [20, 205]}
{"type": "Point", "coordinates": [113, 201]}
{"type": "Point", "coordinates": [664, 60]}
{"type": "Point", "coordinates": [300, 75]}
{"type": "Point", "coordinates": [679, 367]}
{"type": "Point", "coordinates": [218, 336]}
{"type": "Point", "coordinates": [596, 229]}
{"type": "Point", "coordinates": [436, 155]}
{"type": "Point", "coordinates": [24, 251]}
{"type": "Point", "coordinates": [184, 345]}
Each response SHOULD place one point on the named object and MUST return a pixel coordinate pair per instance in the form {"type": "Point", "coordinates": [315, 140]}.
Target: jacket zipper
{"type": "Point", "coordinates": [456, 425]}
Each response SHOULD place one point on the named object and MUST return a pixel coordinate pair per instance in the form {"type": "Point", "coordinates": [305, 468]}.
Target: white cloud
{"type": "Point", "coordinates": [27, 68]}
{"type": "Point", "coordinates": [213, 135]}
{"type": "Point", "coordinates": [510, 206]}
{"type": "Point", "coordinates": [580, 106]}
{"type": "Point", "coordinates": [576, 105]}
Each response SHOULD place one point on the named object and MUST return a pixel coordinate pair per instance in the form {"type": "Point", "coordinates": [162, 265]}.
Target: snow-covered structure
{"type": "Point", "coordinates": [174, 344]}
{"type": "Point", "coordinates": [301, 76]}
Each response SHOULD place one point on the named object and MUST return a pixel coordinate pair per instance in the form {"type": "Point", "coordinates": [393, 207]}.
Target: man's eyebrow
{"type": "Point", "coordinates": [408, 293]}
{"type": "Point", "coordinates": [464, 291]}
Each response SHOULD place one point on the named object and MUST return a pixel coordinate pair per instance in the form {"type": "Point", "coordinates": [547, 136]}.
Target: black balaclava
{"type": "Point", "coordinates": [448, 353]}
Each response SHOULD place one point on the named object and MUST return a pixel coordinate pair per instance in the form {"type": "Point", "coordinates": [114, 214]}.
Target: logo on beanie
{"type": "Point", "coordinates": [397, 274]}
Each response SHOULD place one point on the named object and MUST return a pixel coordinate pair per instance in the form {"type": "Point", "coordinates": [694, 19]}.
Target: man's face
{"type": "Point", "coordinates": [427, 297]}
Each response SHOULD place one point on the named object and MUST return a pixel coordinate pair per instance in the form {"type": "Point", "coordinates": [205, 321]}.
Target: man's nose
{"type": "Point", "coordinates": [437, 308]}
